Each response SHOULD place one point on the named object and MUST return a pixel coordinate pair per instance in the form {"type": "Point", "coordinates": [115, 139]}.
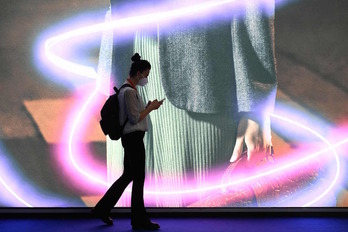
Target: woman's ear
{"type": "Point", "coordinates": [138, 74]}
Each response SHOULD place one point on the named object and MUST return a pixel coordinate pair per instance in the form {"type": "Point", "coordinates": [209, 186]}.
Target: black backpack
{"type": "Point", "coordinates": [110, 119]}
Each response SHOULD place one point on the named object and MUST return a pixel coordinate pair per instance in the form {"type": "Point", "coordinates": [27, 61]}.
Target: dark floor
{"type": "Point", "coordinates": [176, 222]}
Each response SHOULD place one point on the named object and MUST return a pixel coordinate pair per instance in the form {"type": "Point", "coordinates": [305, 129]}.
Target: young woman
{"type": "Point", "coordinates": [132, 108]}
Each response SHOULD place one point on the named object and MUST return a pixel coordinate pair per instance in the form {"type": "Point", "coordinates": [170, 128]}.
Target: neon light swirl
{"type": "Point", "coordinates": [91, 73]}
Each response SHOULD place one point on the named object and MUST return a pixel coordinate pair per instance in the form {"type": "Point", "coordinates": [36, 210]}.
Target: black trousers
{"type": "Point", "coordinates": [134, 170]}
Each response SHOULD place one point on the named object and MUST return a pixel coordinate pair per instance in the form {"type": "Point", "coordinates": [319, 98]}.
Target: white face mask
{"type": "Point", "coordinates": [143, 81]}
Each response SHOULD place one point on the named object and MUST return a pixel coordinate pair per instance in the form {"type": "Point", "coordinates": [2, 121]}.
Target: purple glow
{"type": "Point", "coordinates": [14, 193]}
{"type": "Point", "coordinates": [18, 191]}
{"type": "Point", "coordinates": [75, 49]}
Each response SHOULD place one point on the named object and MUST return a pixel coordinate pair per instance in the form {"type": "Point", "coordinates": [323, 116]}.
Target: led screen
{"type": "Point", "coordinates": [222, 67]}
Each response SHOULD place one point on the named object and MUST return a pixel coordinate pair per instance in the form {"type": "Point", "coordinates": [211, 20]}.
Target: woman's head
{"type": "Point", "coordinates": [138, 65]}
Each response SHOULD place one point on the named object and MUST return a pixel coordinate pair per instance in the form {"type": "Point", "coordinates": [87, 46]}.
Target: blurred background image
{"type": "Point", "coordinates": [43, 112]}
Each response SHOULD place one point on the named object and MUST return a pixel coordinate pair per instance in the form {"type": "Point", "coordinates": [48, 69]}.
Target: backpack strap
{"type": "Point", "coordinates": [117, 92]}
{"type": "Point", "coordinates": [123, 86]}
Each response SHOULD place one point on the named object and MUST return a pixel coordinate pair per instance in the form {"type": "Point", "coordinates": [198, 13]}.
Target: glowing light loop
{"type": "Point", "coordinates": [153, 18]}
{"type": "Point", "coordinates": [89, 72]}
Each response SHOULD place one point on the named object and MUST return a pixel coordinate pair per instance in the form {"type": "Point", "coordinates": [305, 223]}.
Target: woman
{"type": "Point", "coordinates": [132, 108]}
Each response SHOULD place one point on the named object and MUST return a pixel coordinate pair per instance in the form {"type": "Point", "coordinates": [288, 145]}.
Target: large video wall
{"type": "Point", "coordinates": [218, 64]}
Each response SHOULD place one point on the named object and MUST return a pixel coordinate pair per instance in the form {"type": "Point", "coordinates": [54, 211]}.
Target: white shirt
{"type": "Point", "coordinates": [131, 104]}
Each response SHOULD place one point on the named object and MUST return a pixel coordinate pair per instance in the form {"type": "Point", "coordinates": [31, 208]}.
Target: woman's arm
{"type": "Point", "coordinates": [151, 105]}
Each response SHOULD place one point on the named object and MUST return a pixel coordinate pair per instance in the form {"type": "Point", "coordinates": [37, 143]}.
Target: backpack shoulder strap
{"type": "Point", "coordinates": [117, 92]}
{"type": "Point", "coordinates": [123, 86]}
{"type": "Point", "coordinates": [126, 85]}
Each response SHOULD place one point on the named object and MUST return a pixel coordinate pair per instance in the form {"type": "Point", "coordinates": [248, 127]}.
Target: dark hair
{"type": "Point", "coordinates": [138, 65]}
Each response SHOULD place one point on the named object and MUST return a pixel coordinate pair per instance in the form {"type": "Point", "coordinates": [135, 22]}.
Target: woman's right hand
{"type": "Point", "coordinates": [155, 104]}
{"type": "Point", "coordinates": [151, 105]}
{"type": "Point", "coordinates": [256, 134]}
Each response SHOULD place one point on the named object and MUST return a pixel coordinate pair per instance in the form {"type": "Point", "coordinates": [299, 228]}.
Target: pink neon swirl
{"type": "Point", "coordinates": [89, 72]}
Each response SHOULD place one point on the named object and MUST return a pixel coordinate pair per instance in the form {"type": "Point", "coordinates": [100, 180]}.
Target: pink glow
{"type": "Point", "coordinates": [75, 157]}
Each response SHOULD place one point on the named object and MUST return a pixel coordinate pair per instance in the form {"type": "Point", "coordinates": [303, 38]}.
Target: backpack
{"type": "Point", "coordinates": [110, 119]}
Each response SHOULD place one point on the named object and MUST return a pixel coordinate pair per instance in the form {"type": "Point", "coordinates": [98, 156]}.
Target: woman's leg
{"type": "Point", "coordinates": [134, 148]}
{"type": "Point", "coordinates": [110, 198]}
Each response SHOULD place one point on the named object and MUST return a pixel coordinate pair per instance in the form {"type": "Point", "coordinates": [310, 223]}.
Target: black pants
{"type": "Point", "coordinates": [134, 170]}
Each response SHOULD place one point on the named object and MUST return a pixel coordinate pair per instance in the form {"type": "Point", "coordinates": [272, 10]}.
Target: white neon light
{"type": "Point", "coordinates": [77, 120]}
{"type": "Point", "coordinates": [331, 147]}
{"type": "Point", "coordinates": [14, 194]}
{"type": "Point", "coordinates": [129, 22]}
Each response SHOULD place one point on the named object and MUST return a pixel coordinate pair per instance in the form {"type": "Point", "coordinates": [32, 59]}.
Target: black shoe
{"type": "Point", "coordinates": [146, 225]}
{"type": "Point", "coordinates": [104, 217]}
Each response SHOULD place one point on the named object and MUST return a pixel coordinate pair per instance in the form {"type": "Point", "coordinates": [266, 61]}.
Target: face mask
{"type": "Point", "coordinates": [142, 81]}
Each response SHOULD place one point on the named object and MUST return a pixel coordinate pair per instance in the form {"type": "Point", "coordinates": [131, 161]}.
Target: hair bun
{"type": "Point", "coordinates": [136, 57]}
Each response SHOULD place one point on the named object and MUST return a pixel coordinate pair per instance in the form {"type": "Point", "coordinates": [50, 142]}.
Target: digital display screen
{"type": "Point", "coordinates": [224, 69]}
